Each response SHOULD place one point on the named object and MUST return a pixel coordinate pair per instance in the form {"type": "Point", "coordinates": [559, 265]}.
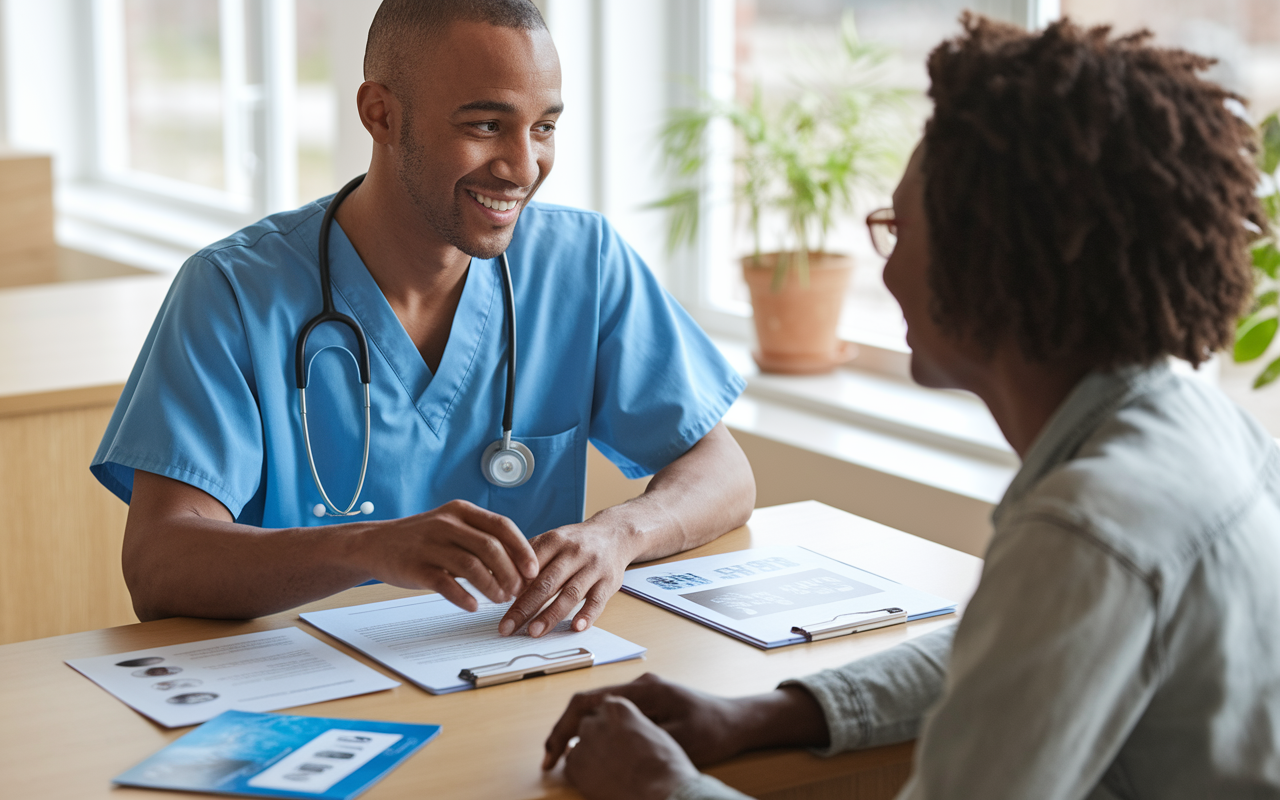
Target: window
{"type": "Point", "coordinates": [773, 42]}
{"type": "Point", "coordinates": [195, 102]}
{"type": "Point", "coordinates": [176, 122]}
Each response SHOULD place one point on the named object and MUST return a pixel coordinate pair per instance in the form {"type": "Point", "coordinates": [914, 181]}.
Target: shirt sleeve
{"type": "Point", "coordinates": [189, 410]}
{"type": "Point", "coordinates": [660, 384]}
{"type": "Point", "coordinates": [1051, 667]}
{"type": "Point", "coordinates": [881, 699]}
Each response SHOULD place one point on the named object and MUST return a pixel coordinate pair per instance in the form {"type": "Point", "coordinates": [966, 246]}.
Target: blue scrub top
{"type": "Point", "coordinates": [605, 354]}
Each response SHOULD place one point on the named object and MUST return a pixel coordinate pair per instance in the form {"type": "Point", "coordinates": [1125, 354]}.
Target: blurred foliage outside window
{"type": "Point", "coordinates": [173, 76]}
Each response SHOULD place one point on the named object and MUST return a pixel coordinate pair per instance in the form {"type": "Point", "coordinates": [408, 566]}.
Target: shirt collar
{"type": "Point", "coordinates": [1093, 400]}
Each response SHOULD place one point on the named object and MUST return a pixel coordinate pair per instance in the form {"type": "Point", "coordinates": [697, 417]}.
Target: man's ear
{"type": "Point", "coordinates": [380, 112]}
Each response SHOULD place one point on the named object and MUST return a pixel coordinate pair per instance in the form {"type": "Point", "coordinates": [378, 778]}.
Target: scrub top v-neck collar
{"type": "Point", "coordinates": [435, 396]}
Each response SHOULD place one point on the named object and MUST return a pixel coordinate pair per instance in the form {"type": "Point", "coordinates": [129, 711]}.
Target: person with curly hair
{"type": "Point", "coordinates": [1077, 214]}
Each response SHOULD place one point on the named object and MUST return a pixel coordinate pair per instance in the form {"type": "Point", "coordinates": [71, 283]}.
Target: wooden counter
{"type": "Point", "coordinates": [67, 352]}
{"type": "Point", "coordinates": [63, 737]}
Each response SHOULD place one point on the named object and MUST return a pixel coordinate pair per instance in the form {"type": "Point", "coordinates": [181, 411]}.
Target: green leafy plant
{"type": "Point", "coordinates": [799, 162]}
{"type": "Point", "coordinates": [1257, 329]}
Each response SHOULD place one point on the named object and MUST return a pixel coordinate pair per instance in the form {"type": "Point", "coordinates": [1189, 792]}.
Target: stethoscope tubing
{"type": "Point", "coordinates": [331, 314]}
{"type": "Point", "coordinates": [349, 511]}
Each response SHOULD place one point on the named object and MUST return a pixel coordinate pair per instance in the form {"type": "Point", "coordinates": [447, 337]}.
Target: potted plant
{"type": "Point", "coordinates": [799, 166]}
{"type": "Point", "coordinates": [1257, 329]}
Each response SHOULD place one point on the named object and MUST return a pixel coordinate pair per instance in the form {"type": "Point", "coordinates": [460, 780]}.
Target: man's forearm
{"type": "Point", "coordinates": [201, 567]}
{"type": "Point", "coordinates": [702, 494]}
{"type": "Point", "coordinates": [184, 555]}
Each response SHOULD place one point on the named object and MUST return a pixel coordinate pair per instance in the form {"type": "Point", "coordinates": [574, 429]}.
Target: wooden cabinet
{"type": "Point", "coordinates": [67, 352]}
{"type": "Point", "coordinates": [28, 254]}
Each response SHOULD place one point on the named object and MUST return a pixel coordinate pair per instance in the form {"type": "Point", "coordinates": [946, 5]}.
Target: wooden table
{"type": "Point", "coordinates": [63, 737]}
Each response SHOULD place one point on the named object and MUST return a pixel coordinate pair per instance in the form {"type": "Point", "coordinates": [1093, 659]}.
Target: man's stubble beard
{"type": "Point", "coordinates": [446, 222]}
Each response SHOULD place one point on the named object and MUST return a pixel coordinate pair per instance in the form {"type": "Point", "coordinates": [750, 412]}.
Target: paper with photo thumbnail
{"type": "Point", "coordinates": [758, 595]}
{"type": "Point", "coordinates": [186, 684]}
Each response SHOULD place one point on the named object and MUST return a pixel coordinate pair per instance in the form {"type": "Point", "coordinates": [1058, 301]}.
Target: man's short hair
{"type": "Point", "coordinates": [1086, 194]}
{"type": "Point", "coordinates": [402, 29]}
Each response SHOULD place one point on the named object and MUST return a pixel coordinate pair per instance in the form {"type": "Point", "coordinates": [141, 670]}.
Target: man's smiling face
{"type": "Point", "coordinates": [478, 132]}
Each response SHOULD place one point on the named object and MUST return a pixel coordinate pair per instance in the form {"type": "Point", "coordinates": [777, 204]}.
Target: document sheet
{"type": "Point", "coordinates": [189, 683]}
{"type": "Point", "coordinates": [274, 755]}
{"type": "Point", "coordinates": [758, 595]}
{"type": "Point", "coordinates": [429, 640]}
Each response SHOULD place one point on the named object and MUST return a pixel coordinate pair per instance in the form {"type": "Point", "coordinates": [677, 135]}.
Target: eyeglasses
{"type": "Point", "coordinates": [883, 225]}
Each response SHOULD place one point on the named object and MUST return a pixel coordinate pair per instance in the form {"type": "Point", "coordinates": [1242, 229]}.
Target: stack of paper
{"type": "Point", "coordinates": [429, 640]}
{"type": "Point", "coordinates": [759, 595]}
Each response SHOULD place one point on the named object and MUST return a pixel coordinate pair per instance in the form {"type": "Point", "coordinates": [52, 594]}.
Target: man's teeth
{"type": "Point", "coordinates": [496, 205]}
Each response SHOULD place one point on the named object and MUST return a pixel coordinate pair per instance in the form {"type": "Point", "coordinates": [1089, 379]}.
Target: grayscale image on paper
{"type": "Point", "coordinates": [784, 593]}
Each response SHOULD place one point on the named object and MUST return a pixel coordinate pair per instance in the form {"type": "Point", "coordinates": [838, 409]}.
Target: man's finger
{"type": "Point", "coordinates": [570, 595]}
{"type": "Point", "coordinates": [566, 727]}
{"type": "Point", "coordinates": [492, 555]}
{"type": "Point", "coordinates": [518, 548]}
{"type": "Point", "coordinates": [534, 596]}
{"type": "Point", "coordinates": [464, 564]}
{"type": "Point", "coordinates": [451, 590]}
{"type": "Point", "coordinates": [592, 608]}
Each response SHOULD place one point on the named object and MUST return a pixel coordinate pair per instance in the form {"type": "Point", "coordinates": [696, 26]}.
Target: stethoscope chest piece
{"type": "Point", "coordinates": [506, 463]}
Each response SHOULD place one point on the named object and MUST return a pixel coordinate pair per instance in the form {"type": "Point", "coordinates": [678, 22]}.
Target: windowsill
{"type": "Point", "coordinates": [876, 419]}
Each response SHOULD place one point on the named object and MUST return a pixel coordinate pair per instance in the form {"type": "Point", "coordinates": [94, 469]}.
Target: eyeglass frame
{"type": "Point", "coordinates": [882, 227]}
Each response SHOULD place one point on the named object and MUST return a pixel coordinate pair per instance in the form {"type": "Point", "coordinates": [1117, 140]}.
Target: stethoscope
{"type": "Point", "coordinates": [506, 462]}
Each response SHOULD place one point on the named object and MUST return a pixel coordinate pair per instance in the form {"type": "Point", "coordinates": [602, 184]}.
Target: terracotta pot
{"type": "Point", "coordinates": [796, 325]}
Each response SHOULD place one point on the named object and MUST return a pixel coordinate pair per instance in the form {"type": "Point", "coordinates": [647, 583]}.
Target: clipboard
{"type": "Point", "coordinates": [853, 622]}
{"type": "Point", "coordinates": [529, 665]}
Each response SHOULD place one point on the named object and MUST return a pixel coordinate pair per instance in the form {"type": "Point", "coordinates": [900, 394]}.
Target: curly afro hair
{"type": "Point", "coordinates": [1087, 195]}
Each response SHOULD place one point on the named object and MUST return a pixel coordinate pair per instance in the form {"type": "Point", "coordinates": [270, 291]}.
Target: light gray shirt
{"type": "Point", "coordinates": [1123, 641]}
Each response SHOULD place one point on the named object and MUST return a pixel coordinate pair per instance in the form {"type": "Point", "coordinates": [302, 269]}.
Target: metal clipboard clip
{"type": "Point", "coordinates": [508, 671]}
{"type": "Point", "coordinates": [839, 626]}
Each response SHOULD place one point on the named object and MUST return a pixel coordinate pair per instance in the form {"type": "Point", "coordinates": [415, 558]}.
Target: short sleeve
{"type": "Point", "coordinates": [189, 410]}
{"type": "Point", "coordinates": [660, 384]}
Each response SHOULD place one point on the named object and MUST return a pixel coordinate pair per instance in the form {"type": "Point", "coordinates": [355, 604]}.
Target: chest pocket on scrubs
{"type": "Point", "coordinates": [554, 494]}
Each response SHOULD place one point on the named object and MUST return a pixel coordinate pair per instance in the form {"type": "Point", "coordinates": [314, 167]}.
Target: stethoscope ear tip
{"type": "Point", "coordinates": [318, 510]}
{"type": "Point", "coordinates": [366, 507]}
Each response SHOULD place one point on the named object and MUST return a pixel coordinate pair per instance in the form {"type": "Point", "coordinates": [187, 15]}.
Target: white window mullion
{"type": "Point", "coordinates": [111, 156]}
{"type": "Point", "coordinates": [1042, 12]}
{"type": "Point", "coordinates": [279, 59]}
{"type": "Point", "coordinates": [239, 100]}
{"type": "Point", "coordinates": [1033, 14]}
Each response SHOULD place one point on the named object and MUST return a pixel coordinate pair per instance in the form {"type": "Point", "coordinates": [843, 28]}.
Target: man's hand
{"type": "Point", "coordinates": [582, 562]}
{"type": "Point", "coordinates": [621, 755]}
{"type": "Point", "coordinates": [457, 540]}
{"type": "Point", "coordinates": [710, 729]}
{"type": "Point", "coordinates": [697, 497]}
{"type": "Point", "coordinates": [705, 726]}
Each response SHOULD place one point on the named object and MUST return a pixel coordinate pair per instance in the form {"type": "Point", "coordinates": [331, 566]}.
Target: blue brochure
{"type": "Point", "coordinates": [275, 755]}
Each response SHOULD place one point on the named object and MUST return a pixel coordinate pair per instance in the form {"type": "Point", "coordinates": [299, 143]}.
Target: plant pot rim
{"type": "Point", "coordinates": [818, 258]}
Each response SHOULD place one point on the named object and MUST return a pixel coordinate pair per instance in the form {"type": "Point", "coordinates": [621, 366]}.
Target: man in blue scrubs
{"type": "Point", "coordinates": [206, 444]}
